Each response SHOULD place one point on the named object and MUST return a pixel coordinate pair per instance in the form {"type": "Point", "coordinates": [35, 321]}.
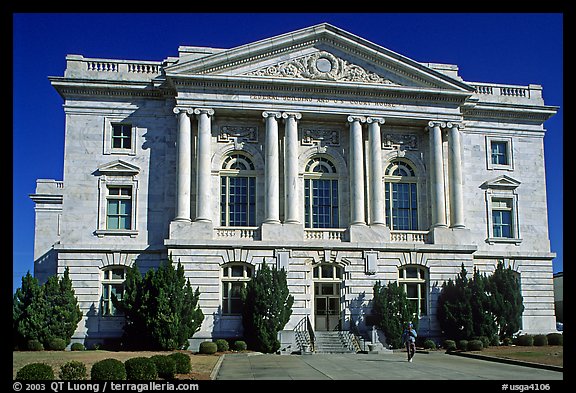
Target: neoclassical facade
{"type": "Point", "coordinates": [317, 151]}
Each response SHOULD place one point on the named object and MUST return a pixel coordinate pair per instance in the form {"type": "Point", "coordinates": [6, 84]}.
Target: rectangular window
{"type": "Point", "coordinates": [122, 136]}
{"type": "Point", "coordinates": [112, 284]}
{"type": "Point", "coordinates": [238, 201]}
{"type": "Point", "coordinates": [119, 207]}
{"type": "Point", "coordinates": [321, 203]}
{"type": "Point", "coordinates": [499, 152]}
{"type": "Point", "coordinates": [231, 297]}
{"type": "Point", "coordinates": [401, 206]}
{"type": "Point", "coordinates": [502, 218]}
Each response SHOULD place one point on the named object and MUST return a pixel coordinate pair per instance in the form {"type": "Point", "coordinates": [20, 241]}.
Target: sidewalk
{"type": "Point", "coordinates": [390, 366]}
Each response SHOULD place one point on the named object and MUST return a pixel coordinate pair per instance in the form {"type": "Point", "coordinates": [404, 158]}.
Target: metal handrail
{"type": "Point", "coordinates": [310, 333]}
{"type": "Point", "coordinates": [304, 334]}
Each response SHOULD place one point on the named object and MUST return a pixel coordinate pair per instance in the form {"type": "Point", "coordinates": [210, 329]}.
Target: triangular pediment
{"type": "Point", "coordinates": [318, 53]}
{"type": "Point", "coordinates": [118, 167]}
{"type": "Point", "coordinates": [501, 182]}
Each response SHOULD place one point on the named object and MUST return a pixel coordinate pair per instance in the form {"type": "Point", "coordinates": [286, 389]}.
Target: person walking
{"type": "Point", "coordinates": [409, 339]}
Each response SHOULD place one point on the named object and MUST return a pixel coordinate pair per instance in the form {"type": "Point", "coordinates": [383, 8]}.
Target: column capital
{"type": "Point", "coordinates": [204, 111]}
{"type": "Point", "coordinates": [178, 109]}
{"type": "Point", "coordinates": [435, 123]}
{"type": "Point", "coordinates": [267, 114]}
{"type": "Point", "coordinates": [379, 120]}
{"type": "Point", "coordinates": [295, 115]}
{"type": "Point", "coordinates": [452, 124]}
{"type": "Point", "coordinates": [354, 118]}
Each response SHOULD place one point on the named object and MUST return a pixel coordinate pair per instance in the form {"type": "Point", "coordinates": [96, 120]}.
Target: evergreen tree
{"type": "Point", "coordinates": [27, 312]}
{"type": "Point", "coordinates": [454, 311]}
{"type": "Point", "coordinates": [161, 310]}
{"type": "Point", "coordinates": [267, 308]}
{"type": "Point", "coordinates": [483, 319]}
{"type": "Point", "coordinates": [392, 310]}
{"type": "Point", "coordinates": [507, 301]}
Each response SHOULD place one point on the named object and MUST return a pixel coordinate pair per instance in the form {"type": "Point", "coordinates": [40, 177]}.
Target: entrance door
{"type": "Point", "coordinates": [327, 305]}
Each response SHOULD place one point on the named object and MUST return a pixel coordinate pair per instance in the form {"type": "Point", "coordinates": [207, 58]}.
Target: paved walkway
{"type": "Point", "coordinates": [392, 366]}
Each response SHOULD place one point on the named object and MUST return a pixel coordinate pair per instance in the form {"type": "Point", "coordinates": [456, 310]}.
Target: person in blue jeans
{"type": "Point", "coordinates": [409, 339]}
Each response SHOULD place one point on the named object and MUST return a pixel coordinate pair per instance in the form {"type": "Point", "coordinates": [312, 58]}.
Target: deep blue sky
{"type": "Point", "coordinates": [497, 48]}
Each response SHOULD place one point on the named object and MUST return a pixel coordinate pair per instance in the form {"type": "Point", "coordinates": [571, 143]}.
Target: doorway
{"type": "Point", "coordinates": [326, 305]}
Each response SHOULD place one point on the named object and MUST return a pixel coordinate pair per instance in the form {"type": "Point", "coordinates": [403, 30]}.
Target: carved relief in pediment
{"type": "Point", "coordinates": [321, 66]}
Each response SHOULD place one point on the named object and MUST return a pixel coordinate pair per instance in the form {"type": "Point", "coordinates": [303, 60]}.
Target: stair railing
{"type": "Point", "coordinates": [304, 335]}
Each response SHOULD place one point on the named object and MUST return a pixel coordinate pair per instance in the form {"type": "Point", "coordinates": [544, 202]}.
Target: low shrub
{"type": "Point", "coordinates": [525, 340]}
{"type": "Point", "coordinates": [140, 368]}
{"type": "Point", "coordinates": [485, 340]}
{"type": "Point", "coordinates": [77, 347]}
{"type": "Point", "coordinates": [240, 345]}
{"type": "Point", "coordinates": [429, 344]}
{"type": "Point", "coordinates": [507, 341]}
{"type": "Point", "coordinates": [35, 371]}
{"type": "Point", "coordinates": [34, 345]}
{"type": "Point", "coordinates": [183, 364]}
{"type": "Point", "coordinates": [495, 341]}
{"type": "Point", "coordinates": [475, 345]}
{"type": "Point", "coordinates": [540, 340]}
{"type": "Point", "coordinates": [222, 345]}
{"type": "Point", "coordinates": [208, 348]}
{"type": "Point", "coordinates": [73, 371]}
{"type": "Point", "coordinates": [555, 339]}
{"type": "Point", "coordinates": [56, 344]}
{"type": "Point", "coordinates": [449, 345]}
{"type": "Point", "coordinates": [165, 366]}
{"type": "Point", "coordinates": [462, 345]}
{"type": "Point", "coordinates": [108, 370]}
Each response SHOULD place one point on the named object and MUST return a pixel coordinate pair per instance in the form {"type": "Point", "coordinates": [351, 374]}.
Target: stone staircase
{"type": "Point", "coordinates": [330, 342]}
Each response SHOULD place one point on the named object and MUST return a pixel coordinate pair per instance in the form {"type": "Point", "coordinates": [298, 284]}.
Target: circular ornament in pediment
{"type": "Point", "coordinates": [323, 65]}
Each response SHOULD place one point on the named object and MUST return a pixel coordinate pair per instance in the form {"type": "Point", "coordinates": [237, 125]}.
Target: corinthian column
{"type": "Point", "coordinates": [271, 169]}
{"type": "Point", "coordinates": [291, 200]}
{"type": "Point", "coordinates": [437, 174]}
{"type": "Point", "coordinates": [455, 162]}
{"type": "Point", "coordinates": [357, 216]}
{"type": "Point", "coordinates": [183, 164]}
{"type": "Point", "coordinates": [375, 171]}
{"type": "Point", "coordinates": [203, 186]}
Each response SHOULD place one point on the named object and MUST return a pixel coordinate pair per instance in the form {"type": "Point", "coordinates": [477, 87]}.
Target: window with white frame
{"type": "Point", "coordinates": [238, 191]}
{"type": "Point", "coordinates": [499, 153]}
{"type": "Point", "coordinates": [413, 280]}
{"type": "Point", "coordinates": [401, 196]}
{"type": "Point", "coordinates": [235, 276]}
{"type": "Point", "coordinates": [112, 284]}
{"type": "Point", "coordinates": [503, 218]}
{"type": "Point", "coordinates": [321, 194]}
{"type": "Point", "coordinates": [119, 136]}
{"type": "Point", "coordinates": [119, 208]}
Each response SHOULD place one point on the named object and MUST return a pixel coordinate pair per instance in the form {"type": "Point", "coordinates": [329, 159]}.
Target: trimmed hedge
{"type": "Point", "coordinates": [449, 345]}
{"type": "Point", "coordinates": [555, 339]}
{"type": "Point", "coordinates": [429, 344]}
{"type": "Point", "coordinates": [507, 341]}
{"type": "Point", "coordinates": [526, 340]}
{"type": "Point", "coordinates": [73, 371]}
{"type": "Point", "coordinates": [208, 348]}
{"type": "Point", "coordinates": [77, 347]}
{"type": "Point", "coordinates": [183, 364]}
{"type": "Point", "coordinates": [140, 368]}
{"type": "Point", "coordinates": [462, 345]}
{"type": "Point", "coordinates": [222, 345]}
{"type": "Point", "coordinates": [240, 345]}
{"type": "Point", "coordinates": [56, 344]}
{"type": "Point", "coordinates": [35, 371]}
{"type": "Point", "coordinates": [475, 345]}
{"type": "Point", "coordinates": [540, 340]}
{"type": "Point", "coordinates": [165, 366]}
{"type": "Point", "coordinates": [108, 370]}
{"type": "Point", "coordinates": [34, 345]}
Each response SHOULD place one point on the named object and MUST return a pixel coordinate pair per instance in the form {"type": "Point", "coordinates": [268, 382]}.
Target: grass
{"type": "Point", "coordinates": [202, 365]}
{"type": "Point", "coordinates": [551, 354]}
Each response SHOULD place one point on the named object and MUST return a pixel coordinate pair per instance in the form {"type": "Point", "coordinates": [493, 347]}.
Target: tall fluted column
{"type": "Point", "coordinates": [203, 186]}
{"type": "Point", "coordinates": [357, 216]}
{"type": "Point", "coordinates": [292, 199]}
{"type": "Point", "coordinates": [455, 162]}
{"type": "Point", "coordinates": [183, 164]}
{"type": "Point", "coordinates": [437, 174]}
{"type": "Point", "coordinates": [271, 169]}
{"type": "Point", "coordinates": [375, 171]}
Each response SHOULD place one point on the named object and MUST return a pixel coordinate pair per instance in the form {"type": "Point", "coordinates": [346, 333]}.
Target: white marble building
{"type": "Point", "coordinates": [328, 155]}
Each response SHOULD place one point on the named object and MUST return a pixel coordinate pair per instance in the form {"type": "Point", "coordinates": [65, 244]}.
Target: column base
{"type": "Point", "coordinates": [445, 235]}
{"type": "Point", "coordinates": [359, 233]}
{"type": "Point", "coordinates": [286, 231]}
{"type": "Point", "coordinates": [191, 230]}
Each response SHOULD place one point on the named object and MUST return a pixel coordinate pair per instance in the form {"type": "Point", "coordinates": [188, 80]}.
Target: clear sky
{"type": "Point", "coordinates": [510, 48]}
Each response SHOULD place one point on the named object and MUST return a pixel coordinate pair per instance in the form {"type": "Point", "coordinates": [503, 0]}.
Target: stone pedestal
{"type": "Point", "coordinates": [365, 233]}
{"type": "Point", "coordinates": [191, 230]}
{"type": "Point", "coordinates": [444, 235]}
{"type": "Point", "coordinates": [282, 232]}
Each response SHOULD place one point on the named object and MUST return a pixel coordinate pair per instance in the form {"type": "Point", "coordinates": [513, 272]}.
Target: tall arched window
{"type": "Point", "coordinates": [413, 279]}
{"type": "Point", "coordinates": [237, 191]}
{"type": "Point", "coordinates": [401, 194]}
{"type": "Point", "coordinates": [234, 279]}
{"type": "Point", "coordinates": [321, 194]}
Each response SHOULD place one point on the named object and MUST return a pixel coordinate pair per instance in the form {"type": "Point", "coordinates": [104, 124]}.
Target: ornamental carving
{"type": "Point", "coordinates": [322, 66]}
{"type": "Point", "coordinates": [238, 134]}
{"type": "Point", "coordinates": [400, 141]}
{"type": "Point", "coordinates": [327, 137]}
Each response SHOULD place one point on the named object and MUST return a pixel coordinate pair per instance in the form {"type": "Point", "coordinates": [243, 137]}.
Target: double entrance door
{"type": "Point", "coordinates": [326, 305]}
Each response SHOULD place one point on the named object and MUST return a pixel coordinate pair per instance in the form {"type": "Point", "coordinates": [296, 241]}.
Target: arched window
{"type": "Point", "coordinates": [112, 284]}
{"type": "Point", "coordinates": [321, 194]}
{"type": "Point", "coordinates": [413, 279]}
{"type": "Point", "coordinates": [234, 279]}
{"type": "Point", "coordinates": [401, 196]}
{"type": "Point", "coordinates": [237, 191]}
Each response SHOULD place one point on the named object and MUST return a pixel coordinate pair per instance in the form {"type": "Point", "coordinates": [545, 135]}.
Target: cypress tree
{"type": "Point", "coordinates": [454, 311]}
{"type": "Point", "coordinates": [267, 308]}
{"type": "Point", "coordinates": [507, 301]}
{"type": "Point", "coordinates": [483, 319]}
{"type": "Point", "coordinates": [27, 312]}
